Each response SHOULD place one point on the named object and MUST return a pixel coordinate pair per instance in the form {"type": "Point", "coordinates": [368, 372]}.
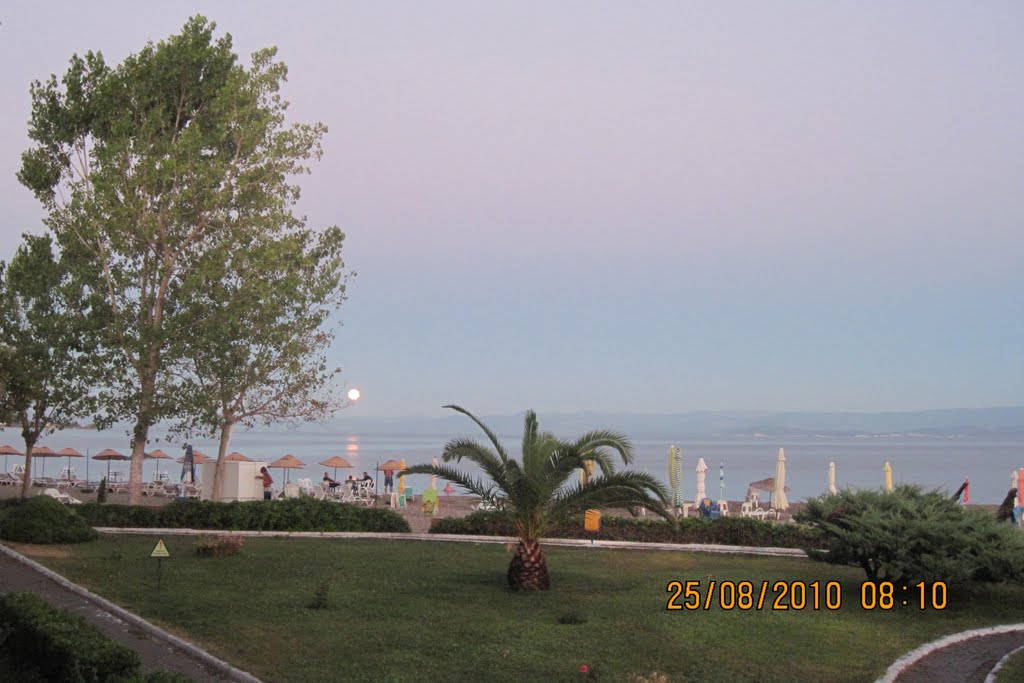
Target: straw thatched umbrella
{"type": "Point", "coordinates": [108, 455]}
{"type": "Point", "coordinates": [44, 452]}
{"type": "Point", "coordinates": [8, 450]}
{"type": "Point", "coordinates": [157, 455]}
{"type": "Point", "coordinates": [197, 457]}
{"type": "Point", "coordinates": [237, 457]}
{"type": "Point", "coordinates": [336, 462]}
{"type": "Point", "coordinates": [288, 462]}
{"type": "Point", "coordinates": [69, 453]}
{"type": "Point", "coordinates": [779, 500]}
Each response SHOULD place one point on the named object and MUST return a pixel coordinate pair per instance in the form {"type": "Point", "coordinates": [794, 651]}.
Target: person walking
{"type": "Point", "coordinates": [268, 483]}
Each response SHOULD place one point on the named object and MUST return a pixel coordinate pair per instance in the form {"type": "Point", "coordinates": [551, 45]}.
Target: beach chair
{"type": "Point", "coordinates": [723, 508]}
{"type": "Point", "coordinates": [291, 491]}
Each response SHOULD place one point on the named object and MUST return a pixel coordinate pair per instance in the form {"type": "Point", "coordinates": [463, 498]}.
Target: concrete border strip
{"type": "Point", "coordinates": [912, 657]}
{"type": "Point", "coordinates": [461, 538]}
{"type": "Point", "coordinates": [209, 660]}
{"type": "Point", "coordinates": [992, 676]}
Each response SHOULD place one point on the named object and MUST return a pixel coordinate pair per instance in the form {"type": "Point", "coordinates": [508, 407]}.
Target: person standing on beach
{"type": "Point", "coordinates": [389, 481]}
{"type": "Point", "coordinates": [268, 483]}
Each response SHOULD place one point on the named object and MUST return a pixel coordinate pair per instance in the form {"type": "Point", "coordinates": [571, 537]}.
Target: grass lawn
{"type": "Point", "coordinates": [416, 611]}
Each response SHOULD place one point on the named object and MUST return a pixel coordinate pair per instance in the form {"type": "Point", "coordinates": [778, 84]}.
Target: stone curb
{"type": "Point", "coordinates": [156, 632]}
{"type": "Point", "coordinates": [912, 657]}
{"type": "Point", "coordinates": [993, 676]}
{"type": "Point", "coordinates": [461, 538]}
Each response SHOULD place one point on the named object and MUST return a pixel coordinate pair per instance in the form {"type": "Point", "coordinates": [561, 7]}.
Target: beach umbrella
{"type": "Point", "coordinates": [237, 457]}
{"type": "Point", "coordinates": [8, 450]}
{"type": "Point", "coordinates": [675, 475]}
{"type": "Point", "coordinates": [1014, 478]}
{"type": "Point", "coordinates": [288, 462]}
{"type": "Point", "coordinates": [587, 472]}
{"type": "Point", "coordinates": [433, 478]}
{"type": "Point", "coordinates": [1020, 489]}
{"type": "Point", "coordinates": [157, 455]}
{"type": "Point", "coordinates": [336, 462]}
{"type": "Point", "coordinates": [108, 455]}
{"type": "Point", "coordinates": [401, 477]}
{"type": "Point", "coordinates": [721, 481]}
{"type": "Point", "coordinates": [197, 457]}
{"type": "Point", "coordinates": [389, 465]}
{"type": "Point", "coordinates": [779, 501]}
{"type": "Point", "coordinates": [702, 470]}
{"type": "Point", "coordinates": [888, 476]}
{"type": "Point", "coordinates": [44, 452]}
{"type": "Point", "coordinates": [69, 453]}
{"type": "Point", "coordinates": [832, 478]}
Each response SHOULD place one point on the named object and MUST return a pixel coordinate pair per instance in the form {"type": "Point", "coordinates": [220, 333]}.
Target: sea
{"type": "Point", "coordinates": [942, 463]}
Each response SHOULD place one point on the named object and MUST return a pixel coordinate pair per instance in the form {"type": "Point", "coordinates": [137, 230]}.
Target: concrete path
{"type": "Point", "coordinates": [967, 657]}
{"type": "Point", "coordinates": [159, 650]}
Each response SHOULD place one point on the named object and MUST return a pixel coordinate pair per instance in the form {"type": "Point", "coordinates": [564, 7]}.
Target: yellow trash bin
{"type": "Point", "coordinates": [592, 520]}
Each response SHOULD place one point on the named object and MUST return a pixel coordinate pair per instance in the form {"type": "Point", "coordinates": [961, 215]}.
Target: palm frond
{"type": "Point", "coordinates": [485, 459]}
{"type": "Point", "coordinates": [487, 430]}
{"type": "Point", "coordinates": [606, 438]}
{"type": "Point", "coordinates": [475, 486]}
{"type": "Point", "coordinates": [626, 489]}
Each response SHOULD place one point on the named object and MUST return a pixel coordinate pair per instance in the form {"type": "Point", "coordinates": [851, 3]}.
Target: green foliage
{"type": "Point", "coordinates": [724, 531]}
{"type": "Point", "coordinates": [293, 514]}
{"type": "Point", "coordinates": [43, 643]}
{"type": "Point", "coordinates": [909, 536]}
{"type": "Point", "coordinates": [220, 546]}
{"type": "Point", "coordinates": [43, 520]}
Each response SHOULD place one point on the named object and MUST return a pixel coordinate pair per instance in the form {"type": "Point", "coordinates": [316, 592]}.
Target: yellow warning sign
{"type": "Point", "coordinates": [160, 550]}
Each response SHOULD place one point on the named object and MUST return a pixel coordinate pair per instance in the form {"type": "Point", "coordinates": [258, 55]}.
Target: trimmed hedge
{"type": "Point", "coordinates": [294, 514]}
{"type": "Point", "coordinates": [724, 531]}
{"type": "Point", "coordinates": [40, 642]}
{"type": "Point", "coordinates": [41, 519]}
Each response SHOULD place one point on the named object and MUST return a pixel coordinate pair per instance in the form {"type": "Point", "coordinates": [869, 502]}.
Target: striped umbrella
{"type": "Point", "coordinates": [675, 475]}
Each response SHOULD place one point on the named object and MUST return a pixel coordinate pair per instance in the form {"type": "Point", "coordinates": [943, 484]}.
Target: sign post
{"type": "Point", "coordinates": [159, 552]}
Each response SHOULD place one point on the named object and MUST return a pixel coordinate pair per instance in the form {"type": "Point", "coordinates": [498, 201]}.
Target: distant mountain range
{"type": "Point", "coordinates": [1003, 422]}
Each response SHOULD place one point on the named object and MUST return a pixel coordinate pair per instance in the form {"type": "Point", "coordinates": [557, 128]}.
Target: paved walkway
{"type": "Point", "coordinates": [967, 657]}
{"type": "Point", "coordinates": [159, 650]}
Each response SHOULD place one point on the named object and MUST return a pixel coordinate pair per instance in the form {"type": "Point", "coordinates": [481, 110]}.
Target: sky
{"type": "Point", "coordinates": [636, 207]}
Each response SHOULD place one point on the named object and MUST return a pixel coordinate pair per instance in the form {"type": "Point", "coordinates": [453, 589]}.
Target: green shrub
{"type": "Point", "coordinates": [909, 536]}
{"type": "Point", "coordinates": [294, 514]}
{"type": "Point", "coordinates": [724, 531]}
{"type": "Point", "coordinates": [41, 519]}
{"type": "Point", "coordinates": [44, 643]}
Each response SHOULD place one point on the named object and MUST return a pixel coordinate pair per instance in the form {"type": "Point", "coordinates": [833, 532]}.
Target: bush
{"type": "Point", "coordinates": [724, 531]}
{"type": "Point", "coordinates": [44, 643]}
{"type": "Point", "coordinates": [41, 519]}
{"type": "Point", "coordinates": [220, 546]}
{"type": "Point", "coordinates": [293, 514]}
{"type": "Point", "coordinates": [909, 536]}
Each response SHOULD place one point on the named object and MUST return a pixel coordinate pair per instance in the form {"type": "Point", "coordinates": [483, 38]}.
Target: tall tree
{"type": "Point", "coordinates": [256, 342]}
{"type": "Point", "coordinates": [44, 345]}
{"type": "Point", "coordinates": [537, 492]}
{"type": "Point", "coordinates": [143, 169]}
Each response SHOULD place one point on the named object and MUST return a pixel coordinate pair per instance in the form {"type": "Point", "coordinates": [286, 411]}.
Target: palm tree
{"type": "Point", "coordinates": [536, 493]}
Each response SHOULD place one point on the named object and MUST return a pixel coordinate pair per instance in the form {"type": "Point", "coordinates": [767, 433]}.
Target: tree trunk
{"type": "Point", "coordinates": [26, 482]}
{"type": "Point", "coordinates": [222, 452]}
{"type": "Point", "coordinates": [528, 570]}
{"type": "Point", "coordinates": [140, 437]}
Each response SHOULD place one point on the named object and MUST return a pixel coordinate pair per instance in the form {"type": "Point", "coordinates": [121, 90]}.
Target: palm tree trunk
{"type": "Point", "coordinates": [528, 570]}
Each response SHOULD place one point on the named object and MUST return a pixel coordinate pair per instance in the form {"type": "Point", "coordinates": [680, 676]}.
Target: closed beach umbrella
{"type": "Point", "coordinates": [336, 462]}
{"type": "Point", "coordinates": [237, 457]}
{"type": "Point", "coordinates": [888, 477]}
{"type": "Point", "coordinates": [8, 450]}
{"type": "Point", "coordinates": [702, 472]}
{"type": "Point", "coordinates": [675, 475]}
{"type": "Point", "coordinates": [779, 500]}
{"type": "Point", "coordinates": [69, 453]}
{"type": "Point", "coordinates": [1020, 488]}
{"type": "Point", "coordinates": [157, 455]}
{"type": "Point", "coordinates": [288, 462]}
{"type": "Point", "coordinates": [832, 478]}
{"type": "Point", "coordinates": [587, 472]}
{"type": "Point", "coordinates": [1014, 478]}
{"type": "Point", "coordinates": [401, 477]}
{"type": "Point", "coordinates": [44, 452]}
{"type": "Point", "coordinates": [721, 481]}
{"type": "Point", "coordinates": [433, 478]}
{"type": "Point", "coordinates": [109, 454]}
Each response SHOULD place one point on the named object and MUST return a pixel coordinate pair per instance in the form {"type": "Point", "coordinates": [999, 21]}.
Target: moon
{"type": "Point", "coordinates": [353, 394]}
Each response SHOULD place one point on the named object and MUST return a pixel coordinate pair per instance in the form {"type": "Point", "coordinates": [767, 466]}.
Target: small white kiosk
{"type": "Point", "coordinates": [240, 480]}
